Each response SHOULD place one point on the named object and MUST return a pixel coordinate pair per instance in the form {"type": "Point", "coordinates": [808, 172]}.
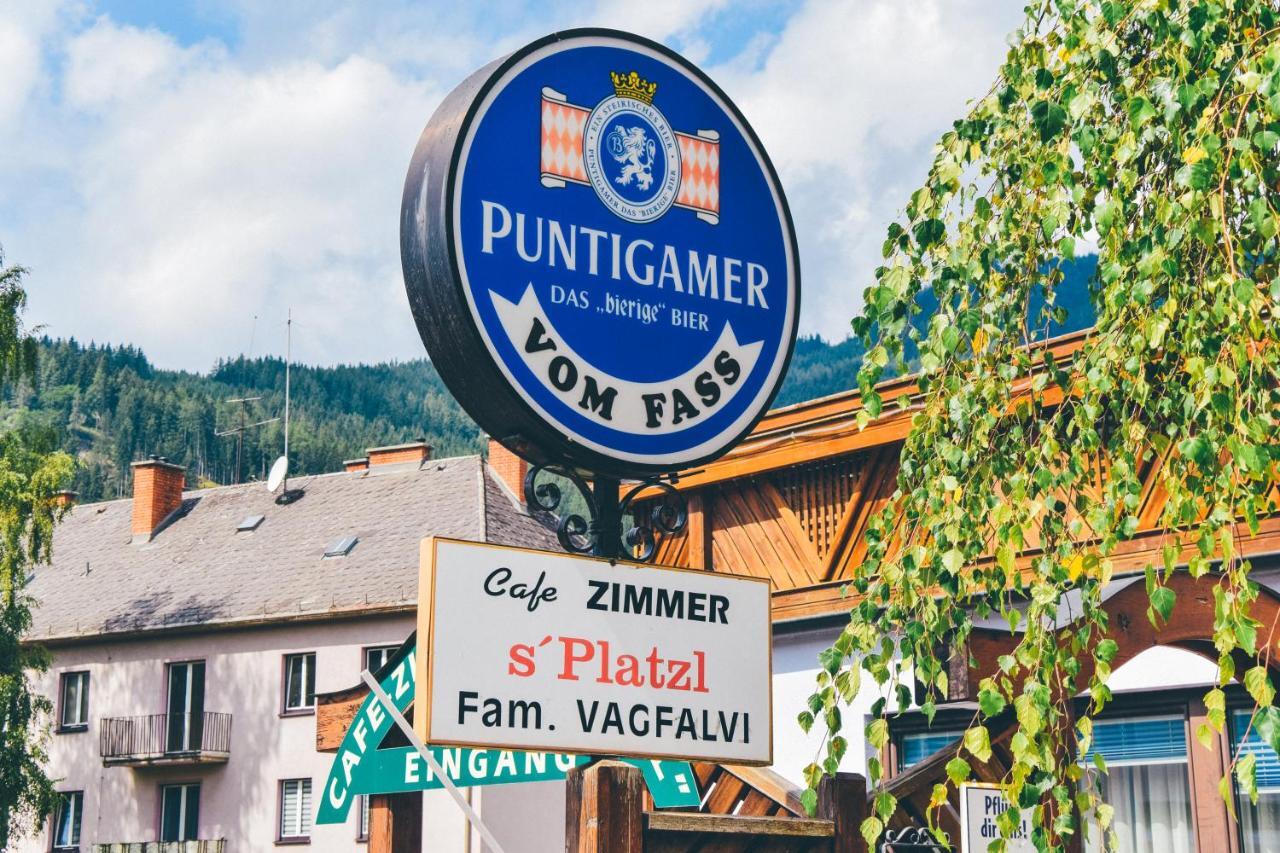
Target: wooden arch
{"type": "Point", "coordinates": [1191, 627]}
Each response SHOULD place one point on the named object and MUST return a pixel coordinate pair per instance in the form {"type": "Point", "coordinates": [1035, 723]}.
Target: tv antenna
{"type": "Point", "coordinates": [240, 429]}
{"type": "Point", "coordinates": [280, 468]}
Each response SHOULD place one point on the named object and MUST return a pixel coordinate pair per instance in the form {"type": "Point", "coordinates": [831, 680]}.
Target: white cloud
{"type": "Point", "coordinates": [109, 64]}
{"type": "Point", "coordinates": [165, 191]}
{"type": "Point", "coordinates": [849, 101]}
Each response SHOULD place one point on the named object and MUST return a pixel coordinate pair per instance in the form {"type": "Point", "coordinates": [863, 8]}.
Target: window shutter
{"type": "Point", "coordinates": [1151, 740]}
{"type": "Point", "coordinates": [917, 747]}
{"type": "Point", "coordinates": [1268, 763]}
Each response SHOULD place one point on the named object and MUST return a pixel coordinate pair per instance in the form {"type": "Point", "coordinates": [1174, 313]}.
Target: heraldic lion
{"type": "Point", "coordinates": [636, 151]}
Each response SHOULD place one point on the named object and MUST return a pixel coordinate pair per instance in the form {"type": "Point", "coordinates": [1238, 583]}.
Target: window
{"type": "Point", "coordinates": [1260, 824]}
{"type": "Point", "coordinates": [300, 683]}
{"type": "Point", "coordinates": [362, 819]}
{"type": "Point", "coordinates": [184, 724]}
{"type": "Point", "coordinates": [179, 812]}
{"type": "Point", "coordinates": [249, 523]}
{"type": "Point", "coordinates": [1147, 784]}
{"type": "Point", "coordinates": [917, 746]}
{"type": "Point", "coordinates": [66, 821]}
{"type": "Point", "coordinates": [341, 547]}
{"type": "Point", "coordinates": [376, 657]}
{"type": "Point", "coordinates": [74, 698]}
{"type": "Point", "coordinates": [295, 810]}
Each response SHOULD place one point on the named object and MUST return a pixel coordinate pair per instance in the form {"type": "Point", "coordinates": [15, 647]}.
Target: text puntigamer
{"type": "Point", "coordinates": [658, 601]}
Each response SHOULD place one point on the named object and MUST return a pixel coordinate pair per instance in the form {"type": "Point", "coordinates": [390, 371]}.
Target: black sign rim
{"type": "Point", "coordinates": [456, 347]}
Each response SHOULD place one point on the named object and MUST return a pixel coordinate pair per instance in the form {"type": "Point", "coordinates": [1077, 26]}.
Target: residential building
{"type": "Point", "coordinates": [191, 631]}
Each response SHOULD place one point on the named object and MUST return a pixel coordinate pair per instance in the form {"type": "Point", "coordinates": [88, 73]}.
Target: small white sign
{"type": "Point", "coordinates": [980, 806]}
{"type": "Point", "coordinates": [542, 651]}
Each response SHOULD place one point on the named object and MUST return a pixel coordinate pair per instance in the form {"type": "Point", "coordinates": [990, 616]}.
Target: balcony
{"type": "Point", "coordinates": [157, 739]}
{"type": "Point", "coordinates": [214, 846]}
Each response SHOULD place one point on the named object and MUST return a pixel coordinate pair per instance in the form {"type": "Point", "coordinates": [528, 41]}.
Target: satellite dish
{"type": "Point", "coordinates": [279, 470]}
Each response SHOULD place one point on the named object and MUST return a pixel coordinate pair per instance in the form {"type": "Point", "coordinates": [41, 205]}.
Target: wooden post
{"type": "Point", "coordinates": [698, 555]}
{"type": "Point", "coordinates": [395, 823]}
{"type": "Point", "coordinates": [604, 809]}
{"type": "Point", "coordinates": [1215, 830]}
{"type": "Point", "coordinates": [842, 799]}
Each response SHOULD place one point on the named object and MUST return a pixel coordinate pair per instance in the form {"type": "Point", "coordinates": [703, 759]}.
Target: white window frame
{"type": "Point", "coordinates": [81, 704]}
{"type": "Point", "coordinates": [362, 818]}
{"type": "Point", "coordinates": [385, 651]}
{"type": "Point", "coordinates": [72, 809]}
{"type": "Point", "coordinates": [184, 799]}
{"type": "Point", "coordinates": [308, 668]}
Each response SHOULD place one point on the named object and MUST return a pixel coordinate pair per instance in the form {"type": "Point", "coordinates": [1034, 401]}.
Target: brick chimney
{"type": "Point", "coordinates": [361, 464]}
{"type": "Point", "coordinates": [413, 451]}
{"type": "Point", "coordinates": [157, 492]}
{"type": "Point", "coordinates": [65, 498]}
{"type": "Point", "coordinates": [508, 466]}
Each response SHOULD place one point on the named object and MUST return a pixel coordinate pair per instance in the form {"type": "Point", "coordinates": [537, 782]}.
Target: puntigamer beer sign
{"type": "Point", "coordinates": [533, 650]}
{"type": "Point", "coordinates": [599, 256]}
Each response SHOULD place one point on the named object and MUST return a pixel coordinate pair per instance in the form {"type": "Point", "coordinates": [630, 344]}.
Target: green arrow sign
{"type": "Point", "coordinates": [361, 768]}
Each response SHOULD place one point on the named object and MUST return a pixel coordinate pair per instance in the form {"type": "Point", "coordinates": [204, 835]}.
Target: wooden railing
{"type": "Point", "coordinates": [161, 737]}
{"type": "Point", "coordinates": [606, 814]}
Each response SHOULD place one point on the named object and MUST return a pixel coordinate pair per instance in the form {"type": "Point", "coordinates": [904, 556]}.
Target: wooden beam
{"type": "Point", "coordinates": [1129, 557]}
{"type": "Point", "coordinates": [715, 824]}
{"type": "Point", "coordinates": [604, 809]}
{"type": "Point", "coordinates": [1213, 823]}
{"type": "Point", "coordinates": [698, 550]}
{"type": "Point", "coordinates": [828, 426]}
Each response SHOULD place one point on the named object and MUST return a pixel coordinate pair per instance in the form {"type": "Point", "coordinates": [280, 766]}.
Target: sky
{"type": "Point", "coordinates": [179, 175]}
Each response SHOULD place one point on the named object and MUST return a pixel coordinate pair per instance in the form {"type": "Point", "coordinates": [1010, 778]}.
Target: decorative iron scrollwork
{"type": "Point", "coordinates": [912, 839]}
{"type": "Point", "coordinates": [668, 515]}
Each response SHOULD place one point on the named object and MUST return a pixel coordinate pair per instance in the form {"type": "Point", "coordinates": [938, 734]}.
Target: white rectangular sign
{"type": "Point", "coordinates": [980, 805]}
{"type": "Point", "coordinates": [542, 651]}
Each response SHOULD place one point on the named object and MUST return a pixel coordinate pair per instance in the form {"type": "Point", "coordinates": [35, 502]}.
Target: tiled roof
{"type": "Point", "coordinates": [198, 570]}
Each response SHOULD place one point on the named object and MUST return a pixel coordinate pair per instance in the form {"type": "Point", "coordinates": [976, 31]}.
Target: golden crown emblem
{"type": "Point", "coordinates": [632, 85]}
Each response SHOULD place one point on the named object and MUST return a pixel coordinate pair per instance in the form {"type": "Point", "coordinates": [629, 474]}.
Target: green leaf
{"type": "Point", "coordinates": [809, 801]}
{"type": "Point", "coordinates": [871, 829]}
{"type": "Point", "coordinates": [1267, 723]}
{"type": "Point", "coordinates": [1141, 111]}
{"type": "Point", "coordinates": [1162, 598]}
{"type": "Point", "coordinates": [1106, 650]}
{"type": "Point", "coordinates": [1049, 118]}
{"type": "Point", "coordinates": [1247, 775]}
{"type": "Point", "coordinates": [1197, 450]}
{"type": "Point", "coordinates": [991, 702]}
{"type": "Point", "coordinates": [978, 742]}
{"type": "Point", "coordinates": [1259, 685]}
{"type": "Point", "coordinates": [957, 770]}
{"type": "Point", "coordinates": [929, 232]}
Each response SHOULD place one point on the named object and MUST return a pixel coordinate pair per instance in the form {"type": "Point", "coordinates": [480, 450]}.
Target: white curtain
{"type": "Point", "coordinates": [1152, 805]}
{"type": "Point", "coordinates": [1260, 824]}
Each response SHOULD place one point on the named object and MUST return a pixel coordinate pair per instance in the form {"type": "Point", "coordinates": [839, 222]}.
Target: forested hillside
{"type": "Point", "coordinates": [111, 406]}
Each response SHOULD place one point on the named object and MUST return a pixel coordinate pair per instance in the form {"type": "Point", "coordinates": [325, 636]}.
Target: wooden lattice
{"type": "Point", "coordinates": [818, 494]}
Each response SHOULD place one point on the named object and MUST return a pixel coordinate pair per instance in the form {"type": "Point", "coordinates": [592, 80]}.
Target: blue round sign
{"type": "Point", "coordinates": [619, 250]}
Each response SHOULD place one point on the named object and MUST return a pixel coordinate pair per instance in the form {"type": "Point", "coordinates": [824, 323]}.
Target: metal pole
{"type": "Point", "coordinates": [408, 731]}
{"type": "Point", "coordinates": [288, 357]}
{"type": "Point", "coordinates": [608, 521]}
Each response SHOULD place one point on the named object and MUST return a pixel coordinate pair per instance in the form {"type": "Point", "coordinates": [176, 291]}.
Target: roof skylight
{"type": "Point", "coordinates": [341, 547]}
{"type": "Point", "coordinates": [249, 523]}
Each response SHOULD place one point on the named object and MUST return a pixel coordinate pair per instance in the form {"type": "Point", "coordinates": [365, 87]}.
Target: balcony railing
{"type": "Point", "coordinates": [210, 846]}
{"type": "Point", "coordinates": [166, 739]}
